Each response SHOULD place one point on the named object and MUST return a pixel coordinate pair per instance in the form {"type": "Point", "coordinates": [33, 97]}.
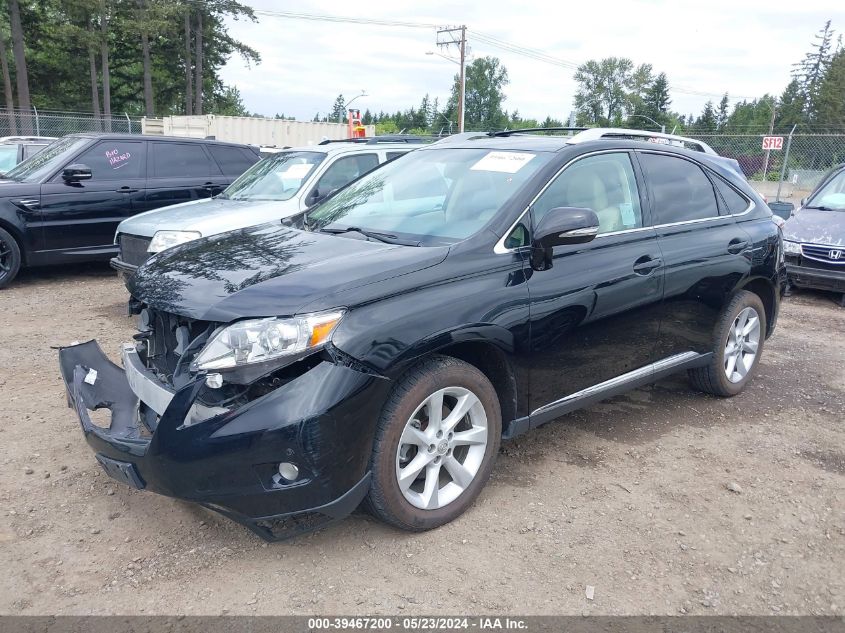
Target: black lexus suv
{"type": "Point", "coordinates": [63, 204]}
{"type": "Point", "coordinates": [379, 346]}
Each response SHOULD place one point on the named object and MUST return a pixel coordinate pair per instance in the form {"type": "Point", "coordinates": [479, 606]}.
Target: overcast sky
{"type": "Point", "coordinates": [744, 47]}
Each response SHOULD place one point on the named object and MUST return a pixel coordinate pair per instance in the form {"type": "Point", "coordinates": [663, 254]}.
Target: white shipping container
{"type": "Point", "coordinates": [251, 130]}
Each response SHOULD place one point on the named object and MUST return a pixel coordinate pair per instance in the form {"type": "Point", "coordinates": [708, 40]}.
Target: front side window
{"type": "Point", "coordinates": [435, 196]}
{"type": "Point", "coordinates": [604, 183]}
{"type": "Point", "coordinates": [182, 160]}
{"type": "Point", "coordinates": [681, 190]}
{"type": "Point", "coordinates": [277, 177]}
{"type": "Point", "coordinates": [831, 197]}
{"type": "Point", "coordinates": [114, 160]}
{"type": "Point", "coordinates": [345, 170]}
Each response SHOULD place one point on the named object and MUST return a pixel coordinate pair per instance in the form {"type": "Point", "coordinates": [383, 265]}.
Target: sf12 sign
{"type": "Point", "coordinates": [772, 142]}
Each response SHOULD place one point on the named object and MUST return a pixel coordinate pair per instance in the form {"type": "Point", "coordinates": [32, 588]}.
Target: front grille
{"type": "Point", "coordinates": [827, 254]}
{"type": "Point", "coordinates": [133, 249]}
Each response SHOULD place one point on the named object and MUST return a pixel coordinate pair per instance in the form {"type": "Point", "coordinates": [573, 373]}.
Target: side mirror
{"type": "Point", "coordinates": [560, 226]}
{"type": "Point", "coordinates": [566, 225]}
{"type": "Point", "coordinates": [75, 173]}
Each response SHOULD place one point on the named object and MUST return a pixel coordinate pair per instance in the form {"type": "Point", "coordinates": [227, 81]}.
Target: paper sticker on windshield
{"type": "Point", "coordinates": [297, 171]}
{"type": "Point", "coordinates": [505, 162]}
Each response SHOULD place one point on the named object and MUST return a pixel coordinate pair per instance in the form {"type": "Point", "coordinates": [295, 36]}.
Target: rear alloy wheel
{"type": "Point", "coordinates": [743, 343]}
{"type": "Point", "coordinates": [435, 445]}
{"type": "Point", "coordinates": [738, 344]}
{"type": "Point", "coordinates": [10, 258]}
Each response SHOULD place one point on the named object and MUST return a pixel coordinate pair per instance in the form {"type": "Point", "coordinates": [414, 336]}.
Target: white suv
{"type": "Point", "coordinates": [278, 186]}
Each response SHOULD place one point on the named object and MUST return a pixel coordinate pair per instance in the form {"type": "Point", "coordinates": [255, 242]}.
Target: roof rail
{"type": "Point", "coordinates": [374, 140]}
{"type": "Point", "coordinates": [597, 133]}
{"type": "Point", "coordinates": [536, 129]}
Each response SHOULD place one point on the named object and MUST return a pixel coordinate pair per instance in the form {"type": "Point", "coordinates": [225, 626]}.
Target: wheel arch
{"type": "Point", "coordinates": [493, 362]}
{"type": "Point", "coordinates": [16, 234]}
{"type": "Point", "coordinates": [765, 290]}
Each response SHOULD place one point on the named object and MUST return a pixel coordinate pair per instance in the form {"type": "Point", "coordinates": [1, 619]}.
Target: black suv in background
{"type": "Point", "coordinates": [63, 204]}
{"type": "Point", "coordinates": [380, 345]}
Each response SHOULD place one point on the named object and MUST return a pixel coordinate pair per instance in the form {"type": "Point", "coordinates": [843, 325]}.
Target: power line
{"type": "Point", "coordinates": [531, 53]}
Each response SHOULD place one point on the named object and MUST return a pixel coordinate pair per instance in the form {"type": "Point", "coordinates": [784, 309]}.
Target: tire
{"type": "Point", "coordinates": [714, 378]}
{"type": "Point", "coordinates": [406, 432]}
{"type": "Point", "coordinates": [10, 258]}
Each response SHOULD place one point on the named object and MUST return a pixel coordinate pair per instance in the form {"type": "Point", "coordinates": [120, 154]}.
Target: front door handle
{"type": "Point", "coordinates": [737, 245]}
{"type": "Point", "coordinates": [647, 264]}
{"type": "Point", "coordinates": [127, 190]}
{"type": "Point", "coordinates": [209, 186]}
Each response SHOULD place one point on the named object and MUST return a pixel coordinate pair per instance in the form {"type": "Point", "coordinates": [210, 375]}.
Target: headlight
{"type": "Point", "coordinates": [166, 239]}
{"type": "Point", "coordinates": [791, 248]}
{"type": "Point", "coordinates": [259, 340]}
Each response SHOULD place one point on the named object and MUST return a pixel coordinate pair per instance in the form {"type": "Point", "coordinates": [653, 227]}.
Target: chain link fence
{"type": "Point", "coordinates": [788, 173]}
{"type": "Point", "coordinates": [58, 123]}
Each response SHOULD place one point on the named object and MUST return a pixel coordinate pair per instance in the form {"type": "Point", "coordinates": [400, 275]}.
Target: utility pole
{"type": "Point", "coordinates": [771, 131]}
{"type": "Point", "coordinates": [457, 36]}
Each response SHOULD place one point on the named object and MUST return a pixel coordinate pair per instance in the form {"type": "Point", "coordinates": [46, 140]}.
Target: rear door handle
{"type": "Point", "coordinates": [127, 190]}
{"type": "Point", "coordinates": [209, 186]}
{"type": "Point", "coordinates": [647, 264]}
{"type": "Point", "coordinates": [737, 245]}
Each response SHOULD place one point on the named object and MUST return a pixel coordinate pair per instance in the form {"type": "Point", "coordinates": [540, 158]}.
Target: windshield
{"type": "Point", "coordinates": [436, 196]}
{"type": "Point", "coordinates": [277, 177]}
{"type": "Point", "coordinates": [8, 157]}
{"type": "Point", "coordinates": [42, 164]}
{"type": "Point", "coordinates": [832, 195]}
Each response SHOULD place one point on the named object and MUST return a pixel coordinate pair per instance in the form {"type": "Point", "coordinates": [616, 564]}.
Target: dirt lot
{"type": "Point", "coordinates": [630, 497]}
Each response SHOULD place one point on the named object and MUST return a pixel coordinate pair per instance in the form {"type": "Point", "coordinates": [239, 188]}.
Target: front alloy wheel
{"type": "Point", "coordinates": [442, 448]}
{"type": "Point", "coordinates": [435, 444]}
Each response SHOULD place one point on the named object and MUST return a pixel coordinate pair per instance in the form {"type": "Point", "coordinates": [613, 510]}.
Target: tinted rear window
{"type": "Point", "coordinates": [232, 160]}
{"type": "Point", "coordinates": [681, 191]}
{"type": "Point", "coordinates": [181, 160]}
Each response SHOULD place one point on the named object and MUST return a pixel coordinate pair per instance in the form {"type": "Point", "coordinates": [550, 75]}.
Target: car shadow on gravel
{"type": "Point", "coordinates": [67, 272]}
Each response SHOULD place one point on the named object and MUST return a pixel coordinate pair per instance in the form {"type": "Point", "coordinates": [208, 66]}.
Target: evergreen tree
{"type": "Point", "coordinates": [367, 119]}
{"type": "Point", "coordinates": [707, 122]}
{"type": "Point", "coordinates": [338, 112]}
{"type": "Point", "coordinates": [723, 113]}
{"type": "Point", "coordinates": [811, 70]}
{"type": "Point", "coordinates": [656, 100]}
{"type": "Point", "coordinates": [830, 103]}
{"type": "Point", "coordinates": [791, 110]}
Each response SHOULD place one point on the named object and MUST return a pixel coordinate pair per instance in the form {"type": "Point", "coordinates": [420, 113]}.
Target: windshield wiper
{"type": "Point", "coordinates": [387, 238]}
{"type": "Point", "coordinates": [821, 207]}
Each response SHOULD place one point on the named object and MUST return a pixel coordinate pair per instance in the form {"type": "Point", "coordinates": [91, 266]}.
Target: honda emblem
{"type": "Point", "coordinates": [834, 254]}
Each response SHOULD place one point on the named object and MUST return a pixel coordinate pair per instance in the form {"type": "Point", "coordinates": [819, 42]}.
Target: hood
{"type": "Point", "coordinates": [10, 188]}
{"type": "Point", "coordinates": [209, 216]}
{"type": "Point", "coordinates": [268, 270]}
{"type": "Point", "coordinates": [814, 226]}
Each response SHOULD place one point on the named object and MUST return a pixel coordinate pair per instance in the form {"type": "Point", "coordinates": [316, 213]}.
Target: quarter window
{"type": "Point", "coordinates": [604, 183]}
{"type": "Point", "coordinates": [114, 160]}
{"type": "Point", "coordinates": [734, 202]}
{"type": "Point", "coordinates": [182, 160]}
{"type": "Point", "coordinates": [680, 189]}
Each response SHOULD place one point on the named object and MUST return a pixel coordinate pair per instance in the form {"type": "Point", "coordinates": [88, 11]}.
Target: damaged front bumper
{"type": "Point", "coordinates": [164, 440]}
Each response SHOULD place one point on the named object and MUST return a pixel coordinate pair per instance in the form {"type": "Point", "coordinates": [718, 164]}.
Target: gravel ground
{"type": "Point", "coordinates": [664, 501]}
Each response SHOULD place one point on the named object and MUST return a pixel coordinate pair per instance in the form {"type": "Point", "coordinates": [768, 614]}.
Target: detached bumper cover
{"type": "Point", "coordinates": [323, 421]}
